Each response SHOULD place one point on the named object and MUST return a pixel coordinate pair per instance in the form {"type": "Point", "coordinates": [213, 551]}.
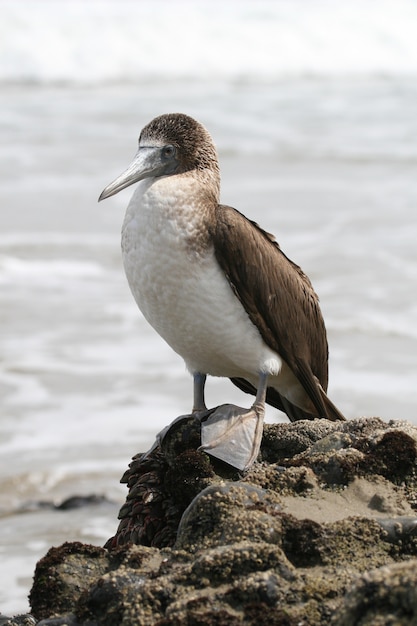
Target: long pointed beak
{"type": "Point", "coordinates": [146, 163]}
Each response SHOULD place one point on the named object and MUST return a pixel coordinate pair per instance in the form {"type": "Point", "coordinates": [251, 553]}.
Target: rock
{"type": "Point", "coordinates": [18, 620]}
{"type": "Point", "coordinates": [321, 530]}
{"type": "Point", "coordinates": [64, 573]}
{"type": "Point", "coordinates": [384, 596]}
{"type": "Point", "coordinates": [226, 513]}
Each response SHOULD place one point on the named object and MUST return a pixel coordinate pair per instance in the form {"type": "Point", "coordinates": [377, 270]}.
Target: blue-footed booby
{"type": "Point", "coordinates": [219, 290]}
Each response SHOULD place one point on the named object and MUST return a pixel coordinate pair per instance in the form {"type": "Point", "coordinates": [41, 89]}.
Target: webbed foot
{"type": "Point", "coordinates": [233, 434]}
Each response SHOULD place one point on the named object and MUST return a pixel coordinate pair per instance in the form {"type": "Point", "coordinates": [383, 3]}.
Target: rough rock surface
{"type": "Point", "coordinates": [322, 530]}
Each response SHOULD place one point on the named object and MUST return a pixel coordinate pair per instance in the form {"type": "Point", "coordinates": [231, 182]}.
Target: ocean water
{"type": "Point", "coordinates": [312, 106]}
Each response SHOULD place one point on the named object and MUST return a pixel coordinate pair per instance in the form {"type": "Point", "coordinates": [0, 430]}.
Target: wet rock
{"type": "Point", "coordinates": [321, 530]}
{"type": "Point", "coordinates": [72, 502]}
{"type": "Point", "coordinates": [399, 528]}
{"type": "Point", "coordinates": [18, 620]}
{"type": "Point", "coordinates": [78, 502]}
{"type": "Point", "coordinates": [228, 513]}
{"type": "Point", "coordinates": [380, 597]}
{"type": "Point", "coordinates": [63, 574]}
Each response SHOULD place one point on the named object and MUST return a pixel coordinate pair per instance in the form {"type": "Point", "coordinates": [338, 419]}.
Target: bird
{"type": "Point", "coordinates": [219, 290]}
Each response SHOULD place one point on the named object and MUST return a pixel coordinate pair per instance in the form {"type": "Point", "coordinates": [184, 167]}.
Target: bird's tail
{"type": "Point", "coordinates": [294, 413]}
{"type": "Point", "coordinates": [332, 411]}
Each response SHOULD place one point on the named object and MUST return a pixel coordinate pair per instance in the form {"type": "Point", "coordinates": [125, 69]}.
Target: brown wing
{"type": "Point", "coordinates": [281, 302]}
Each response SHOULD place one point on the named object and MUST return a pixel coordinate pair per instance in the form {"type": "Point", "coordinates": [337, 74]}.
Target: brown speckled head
{"type": "Point", "coordinates": [172, 144]}
{"type": "Point", "coordinates": [193, 144]}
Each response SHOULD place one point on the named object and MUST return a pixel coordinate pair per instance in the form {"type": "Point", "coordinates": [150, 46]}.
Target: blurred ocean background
{"type": "Point", "coordinates": [313, 107]}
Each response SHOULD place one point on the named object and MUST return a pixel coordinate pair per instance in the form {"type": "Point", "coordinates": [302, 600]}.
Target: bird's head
{"type": "Point", "coordinates": [170, 144]}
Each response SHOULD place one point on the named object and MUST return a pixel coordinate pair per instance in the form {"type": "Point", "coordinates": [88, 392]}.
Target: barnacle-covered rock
{"type": "Point", "coordinates": [321, 530]}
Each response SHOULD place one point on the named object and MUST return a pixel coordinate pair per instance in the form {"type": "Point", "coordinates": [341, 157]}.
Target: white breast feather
{"type": "Point", "coordinates": [182, 293]}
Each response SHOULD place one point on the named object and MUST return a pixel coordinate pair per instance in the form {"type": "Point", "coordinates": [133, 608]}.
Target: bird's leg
{"type": "Point", "coordinates": [234, 434]}
{"type": "Point", "coordinates": [259, 403]}
{"type": "Point", "coordinates": [199, 411]}
{"type": "Point", "coordinates": [199, 384]}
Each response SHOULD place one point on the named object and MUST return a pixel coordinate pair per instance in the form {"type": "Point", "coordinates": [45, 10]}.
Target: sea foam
{"type": "Point", "coordinates": [96, 42]}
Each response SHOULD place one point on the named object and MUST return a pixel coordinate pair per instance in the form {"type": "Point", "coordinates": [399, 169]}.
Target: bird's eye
{"type": "Point", "coordinates": [168, 151]}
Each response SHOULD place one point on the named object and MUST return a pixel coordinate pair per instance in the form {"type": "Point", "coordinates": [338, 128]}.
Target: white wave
{"type": "Point", "coordinates": [14, 270]}
{"type": "Point", "coordinates": [56, 239]}
{"type": "Point", "coordinates": [95, 42]}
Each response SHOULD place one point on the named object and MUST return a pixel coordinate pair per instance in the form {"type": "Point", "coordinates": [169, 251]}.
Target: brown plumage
{"type": "Point", "coordinates": [283, 305]}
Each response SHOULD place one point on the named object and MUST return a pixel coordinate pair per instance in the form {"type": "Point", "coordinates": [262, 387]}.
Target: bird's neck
{"type": "Point", "coordinates": [179, 208]}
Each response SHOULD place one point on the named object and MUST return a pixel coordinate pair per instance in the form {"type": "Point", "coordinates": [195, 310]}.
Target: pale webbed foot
{"type": "Point", "coordinates": [229, 432]}
{"type": "Point", "coordinates": [233, 434]}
